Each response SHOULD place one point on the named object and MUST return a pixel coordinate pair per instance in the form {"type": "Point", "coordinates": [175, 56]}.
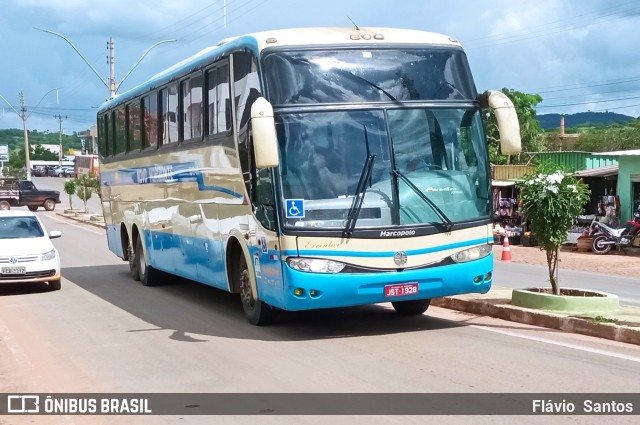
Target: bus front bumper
{"type": "Point", "coordinates": [307, 291]}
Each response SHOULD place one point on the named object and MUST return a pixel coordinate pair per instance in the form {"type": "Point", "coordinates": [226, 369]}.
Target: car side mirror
{"type": "Point", "coordinates": [55, 234]}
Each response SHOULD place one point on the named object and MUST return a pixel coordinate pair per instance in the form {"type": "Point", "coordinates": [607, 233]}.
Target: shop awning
{"type": "Point", "coordinates": [609, 170]}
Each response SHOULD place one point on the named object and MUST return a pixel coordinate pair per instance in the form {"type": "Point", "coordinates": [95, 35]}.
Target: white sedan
{"type": "Point", "coordinates": [26, 251]}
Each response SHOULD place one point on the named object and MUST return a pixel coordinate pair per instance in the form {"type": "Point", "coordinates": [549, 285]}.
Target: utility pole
{"type": "Point", "coordinates": [111, 60]}
{"type": "Point", "coordinates": [23, 110]}
{"type": "Point", "coordinates": [60, 118]}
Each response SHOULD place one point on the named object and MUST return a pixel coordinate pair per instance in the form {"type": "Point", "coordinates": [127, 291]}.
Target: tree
{"type": "Point", "coordinates": [530, 131]}
{"type": "Point", "coordinates": [70, 189]}
{"type": "Point", "coordinates": [614, 137]}
{"type": "Point", "coordinates": [85, 187]}
{"type": "Point", "coordinates": [552, 199]}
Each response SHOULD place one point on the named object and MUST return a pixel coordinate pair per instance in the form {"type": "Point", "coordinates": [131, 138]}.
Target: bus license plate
{"type": "Point", "coordinates": [14, 270]}
{"type": "Point", "coordinates": [400, 290]}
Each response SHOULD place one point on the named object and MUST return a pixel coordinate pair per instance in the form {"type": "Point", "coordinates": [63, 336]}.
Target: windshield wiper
{"type": "Point", "coordinates": [448, 224]}
{"type": "Point", "coordinates": [358, 199]}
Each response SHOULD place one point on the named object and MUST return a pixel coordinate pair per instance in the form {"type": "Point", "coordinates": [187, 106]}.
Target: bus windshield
{"type": "Point", "coordinates": [378, 75]}
{"type": "Point", "coordinates": [419, 157]}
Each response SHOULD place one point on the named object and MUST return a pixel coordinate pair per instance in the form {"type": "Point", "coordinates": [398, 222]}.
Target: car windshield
{"type": "Point", "coordinates": [20, 227]}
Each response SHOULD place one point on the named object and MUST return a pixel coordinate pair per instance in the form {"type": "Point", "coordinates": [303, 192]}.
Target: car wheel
{"type": "Point", "coordinates": [257, 312]}
{"type": "Point", "coordinates": [148, 275]}
{"type": "Point", "coordinates": [411, 308]}
{"type": "Point", "coordinates": [32, 207]}
{"type": "Point", "coordinates": [55, 285]}
{"type": "Point", "coordinates": [49, 205]}
{"type": "Point", "coordinates": [4, 205]}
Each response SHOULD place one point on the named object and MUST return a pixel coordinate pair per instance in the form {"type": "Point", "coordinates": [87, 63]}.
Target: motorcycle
{"type": "Point", "coordinates": [605, 237]}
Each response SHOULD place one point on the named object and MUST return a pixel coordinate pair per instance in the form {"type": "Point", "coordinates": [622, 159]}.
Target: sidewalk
{"type": "Point", "coordinates": [623, 325]}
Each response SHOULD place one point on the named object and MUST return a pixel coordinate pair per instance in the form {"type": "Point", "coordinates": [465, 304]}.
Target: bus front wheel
{"type": "Point", "coordinates": [411, 308]}
{"type": "Point", "coordinates": [257, 312]}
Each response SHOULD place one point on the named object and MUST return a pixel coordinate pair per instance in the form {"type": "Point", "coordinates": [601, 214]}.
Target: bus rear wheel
{"type": "Point", "coordinates": [133, 262]}
{"type": "Point", "coordinates": [411, 308]}
{"type": "Point", "coordinates": [257, 312]}
{"type": "Point", "coordinates": [148, 275]}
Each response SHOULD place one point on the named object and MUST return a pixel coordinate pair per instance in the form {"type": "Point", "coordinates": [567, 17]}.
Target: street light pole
{"type": "Point", "coordinates": [111, 85]}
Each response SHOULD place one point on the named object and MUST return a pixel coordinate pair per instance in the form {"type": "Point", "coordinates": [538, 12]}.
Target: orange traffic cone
{"type": "Point", "coordinates": [506, 249]}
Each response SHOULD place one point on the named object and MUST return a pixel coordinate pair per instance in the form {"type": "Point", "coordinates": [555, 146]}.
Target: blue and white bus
{"type": "Point", "coordinates": [307, 169]}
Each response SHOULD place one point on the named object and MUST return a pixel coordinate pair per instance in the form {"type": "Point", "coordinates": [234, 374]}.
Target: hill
{"type": "Point", "coordinates": [551, 121]}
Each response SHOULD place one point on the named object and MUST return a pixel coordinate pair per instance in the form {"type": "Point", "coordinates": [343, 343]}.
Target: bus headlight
{"type": "Point", "coordinates": [471, 254]}
{"type": "Point", "coordinates": [315, 265]}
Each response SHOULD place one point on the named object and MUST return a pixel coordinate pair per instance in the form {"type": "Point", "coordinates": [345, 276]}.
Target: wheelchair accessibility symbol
{"type": "Point", "coordinates": [295, 208]}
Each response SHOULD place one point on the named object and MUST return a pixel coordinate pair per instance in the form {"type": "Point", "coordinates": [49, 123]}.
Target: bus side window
{"type": "Point", "coordinates": [246, 85]}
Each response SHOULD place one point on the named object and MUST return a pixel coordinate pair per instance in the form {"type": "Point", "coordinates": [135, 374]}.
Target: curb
{"type": "Point", "coordinates": [620, 333]}
{"type": "Point", "coordinates": [89, 222]}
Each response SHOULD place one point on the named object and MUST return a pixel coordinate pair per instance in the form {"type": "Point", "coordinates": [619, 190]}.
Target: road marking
{"type": "Point", "coordinates": [561, 344]}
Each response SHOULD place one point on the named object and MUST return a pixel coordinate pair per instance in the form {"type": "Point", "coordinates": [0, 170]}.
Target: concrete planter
{"type": "Point", "coordinates": [73, 211]}
{"type": "Point", "coordinates": [584, 244]}
{"type": "Point", "coordinates": [571, 300]}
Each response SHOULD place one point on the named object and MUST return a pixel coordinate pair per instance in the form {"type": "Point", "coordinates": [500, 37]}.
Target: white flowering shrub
{"type": "Point", "coordinates": [552, 199]}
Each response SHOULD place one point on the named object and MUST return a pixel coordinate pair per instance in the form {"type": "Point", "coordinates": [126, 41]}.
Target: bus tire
{"type": "Point", "coordinates": [411, 308]}
{"type": "Point", "coordinates": [148, 275]}
{"type": "Point", "coordinates": [4, 205]}
{"type": "Point", "coordinates": [258, 313]}
{"type": "Point", "coordinates": [55, 285]}
{"type": "Point", "coordinates": [132, 257]}
{"type": "Point", "coordinates": [49, 204]}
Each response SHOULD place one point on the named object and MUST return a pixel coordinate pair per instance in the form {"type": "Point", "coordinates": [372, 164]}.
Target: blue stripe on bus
{"type": "Point", "coordinates": [362, 254]}
{"type": "Point", "coordinates": [176, 172]}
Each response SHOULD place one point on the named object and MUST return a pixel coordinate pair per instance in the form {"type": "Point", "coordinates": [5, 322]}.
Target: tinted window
{"type": "Point", "coordinates": [219, 105]}
{"type": "Point", "coordinates": [134, 121]}
{"type": "Point", "coordinates": [191, 92]}
{"type": "Point", "coordinates": [169, 111]}
{"type": "Point", "coordinates": [338, 76]}
{"type": "Point", "coordinates": [150, 111]}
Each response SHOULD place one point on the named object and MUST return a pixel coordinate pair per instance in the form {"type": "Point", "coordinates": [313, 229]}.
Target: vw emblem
{"type": "Point", "coordinates": [13, 260]}
{"type": "Point", "coordinates": [400, 258]}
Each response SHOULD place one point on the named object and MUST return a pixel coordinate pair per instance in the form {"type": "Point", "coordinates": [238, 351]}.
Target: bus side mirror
{"type": "Point", "coordinates": [507, 118]}
{"type": "Point", "coordinates": [265, 141]}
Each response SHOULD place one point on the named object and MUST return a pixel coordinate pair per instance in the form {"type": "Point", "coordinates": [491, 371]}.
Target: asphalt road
{"type": "Point", "coordinates": [103, 332]}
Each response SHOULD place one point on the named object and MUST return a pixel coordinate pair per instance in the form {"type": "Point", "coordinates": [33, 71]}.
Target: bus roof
{"type": "Point", "coordinates": [258, 41]}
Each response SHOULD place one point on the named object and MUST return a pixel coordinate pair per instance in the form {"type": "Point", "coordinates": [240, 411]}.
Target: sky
{"type": "Point", "coordinates": [579, 55]}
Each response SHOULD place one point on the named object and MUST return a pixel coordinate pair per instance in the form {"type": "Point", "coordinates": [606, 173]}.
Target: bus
{"type": "Point", "coordinates": [307, 169]}
{"type": "Point", "coordinates": [86, 165]}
